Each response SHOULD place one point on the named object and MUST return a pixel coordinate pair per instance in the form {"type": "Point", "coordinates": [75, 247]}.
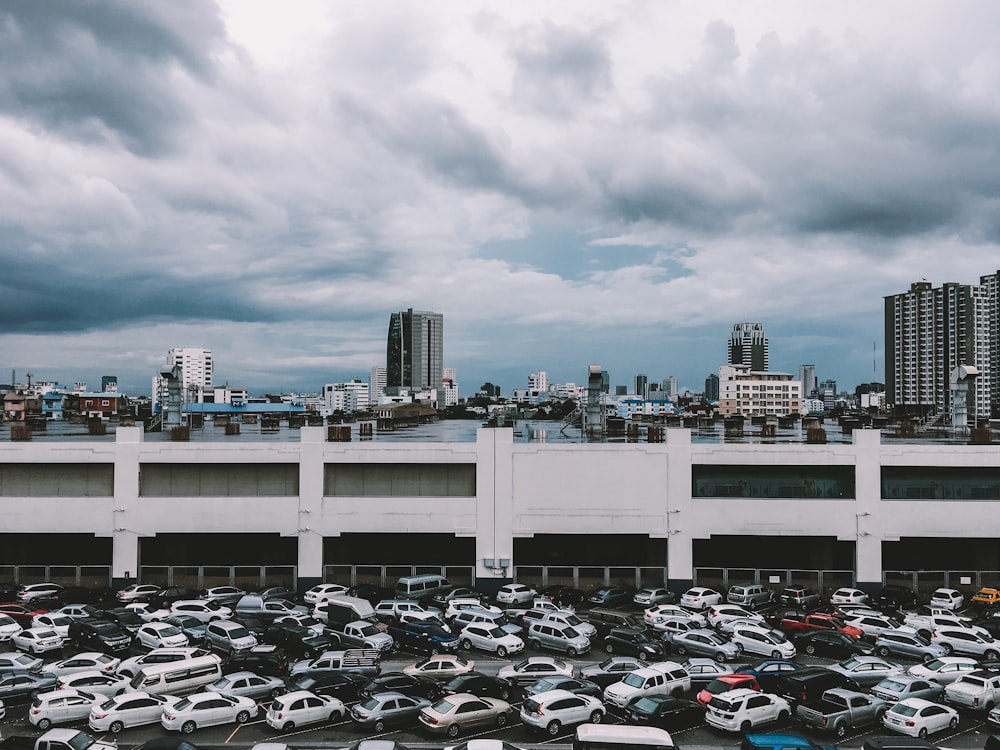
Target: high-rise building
{"type": "Point", "coordinates": [376, 384]}
{"type": "Point", "coordinates": [346, 397]}
{"type": "Point", "coordinates": [670, 386]}
{"type": "Point", "coordinates": [807, 376]}
{"type": "Point", "coordinates": [642, 386]}
{"type": "Point", "coordinates": [538, 381]}
{"type": "Point", "coordinates": [748, 346]}
{"type": "Point", "coordinates": [752, 393]}
{"type": "Point", "coordinates": [196, 372]}
{"type": "Point", "coordinates": [415, 350]}
{"type": "Point", "coordinates": [931, 331]}
{"type": "Point", "coordinates": [712, 387]}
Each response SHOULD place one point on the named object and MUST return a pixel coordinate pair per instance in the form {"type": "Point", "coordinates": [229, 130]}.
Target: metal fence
{"type": "Point", "coordinates": [92, 576]}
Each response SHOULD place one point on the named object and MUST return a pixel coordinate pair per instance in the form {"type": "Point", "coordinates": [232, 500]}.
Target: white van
{"type": "Point", "coordinates": [422, 587]}
{"type": "Point", "coordinates": [345, 609]}
{"type": "Point", "coordinates": [621, 737]}
{"type": "Point", "coordinates": [177, 677]}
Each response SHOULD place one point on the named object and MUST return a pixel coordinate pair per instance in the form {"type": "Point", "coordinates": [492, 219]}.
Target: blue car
{"type": "Point", "coordinates": [425, 637]}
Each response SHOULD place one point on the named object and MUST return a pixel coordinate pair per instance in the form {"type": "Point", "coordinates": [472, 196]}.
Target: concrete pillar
{"type": "Point", "coordinates": [123, 521]}
{"type": "Point", "coordinates": [679, 506]}
{"type": "Point", "coordinates": [310, 511]}
{"type": "Point", "coordinates": [869, 530]}
{"type": "Point", "coordinates": [494, 507]}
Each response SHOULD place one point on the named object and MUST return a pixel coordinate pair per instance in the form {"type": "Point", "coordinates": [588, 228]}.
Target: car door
{"type": "Point", "coordinates": [760, 710]}
{"type": "Point", "coordinates": [314, 709]}
{"type": "Point", "coordinates": [935, 718]}
{"type": "Point", "coordinates": [474, 713]}
{"type": "Point", "coordinates": [76, 707]}
{"type": "Point", "coordinates": [144, 710]}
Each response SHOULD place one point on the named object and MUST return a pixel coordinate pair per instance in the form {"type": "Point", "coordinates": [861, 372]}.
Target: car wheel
{"type": "Point", "coordinates": [187, 727]}
{"type": "Point", "coordinates": [922, 734]}
{"type": "Point", "coordinates": [745, 727]}
{"type": "Point", "coordinates": [335, 716]}
{"type": "Point", "coordinates": [242, 717]}
{"type": "Point", "coordinates": [609, 648]}
{"type": "Point", "coordinates": [680, 649]}
{"type": "Point", "coordinates": [953, 724]}
{"type": "Point", "coordinates": [454, 730]}
{"type": "Point", "coordinates": [782, 717]}
{"type": "Point", "coordinates": [948, 650]}
{"type": "Point", "coordinates": [927, 658]}
{"type": "Point", "coordinates": [883, 652]}
{"type": "Point", "coordinates": [435, 651]}
{"type": "Point", "coordinates": [44, 724]}
{"type": "Point", "coordinates": [467, 645]}
{"type": "Point", "coordinates": [775, 654]}
{"type": "Point", "coordinates": [501, 651]}
{"type": "Point", "coordinates": [501, 720]}
{"type": "Point", "coordinates": [720, 657]}
{"type": "Point", "coordinates": [840, 729]}
{"type": "Point", "coordinates": [991, 655]}
{"type": "Point", "coordinates": [597, 717]}
{"type": "Point", "coordinates": [276, 692]}
{"type": "Point", "coordinates": [116, 727]}
{"type": "Point", "coordinates": [573, 652]}
{"type": "Point", "coordinates": [553, 728]}
{"type": "Point", "coordinates": [379, 726]}
{"type": "Point", "coordinates": [536, 645]}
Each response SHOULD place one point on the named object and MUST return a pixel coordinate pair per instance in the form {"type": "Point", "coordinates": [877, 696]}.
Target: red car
{"type": "Point", "coordinates": [20, 613]}
{"type": "Point", "coordinates": [796, 625]}
{"type": "Point", "coordinates": [726, 682]}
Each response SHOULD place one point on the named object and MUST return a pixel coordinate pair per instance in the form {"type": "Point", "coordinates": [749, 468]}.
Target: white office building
{"type": "Point", "coordinates": [348, 397]}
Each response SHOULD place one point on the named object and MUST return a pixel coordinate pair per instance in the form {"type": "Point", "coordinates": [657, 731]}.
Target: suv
{"type": "Point", "coordinates": [552, 635]}
{"type": "Point", "coordinates": [229, 637]}
{"type": "Point", "coordinates": [99, 635]}
{"type": "Point", "coordinates": [964, 641]}
{"type": "Point", "coordinates": [897, 597]}
{"type": "Point", "coordinates": [551, 710]}
{"type": "Point", "coordinates": [750, 595]}
{"type": "Point", "coordinates": [662, 678]}
{"type": "Point", "coordinates": [800, 596]}
{"type": "Point", "coordinates": [605, 619]}
{"type": "Point", "coordinates": [392, 610]}
{"type": "Point", "coordinates": [805, 685]}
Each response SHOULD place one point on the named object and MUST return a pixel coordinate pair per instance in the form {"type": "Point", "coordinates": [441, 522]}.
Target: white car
{"type": "Point", "coordinates": [138, 592]}
{"type": "Point", "coordinates": [918, 717]}
{"type": "Point", "coordinates": [128, 710]}
{"type": "Point", "coordinates": [160, 635]}
{"type": "Point", "coordinates": [457, 605]}
{"type": "Point", "coordinates": [534, 667]}
{"type": "Point", "coordinates": [491, 638]}
{"type": "Point", "coordinates": [872, 625]}
{"type": "Point", "coordinates": [37, 640]}
{"type": "Point", "coordinates": [947, 599]}
{"type": "Point", "coordinates": [58, 623]}
{"type": "Point", "coordinates": [322, 592]}
{"type": "Point", "coordinates": [699, 598]}
{"type": "Point", "coordinates": [147, 612]}
{"type": "Point", "coordinates": [300, 707]}
{"type": "Point", "coordinates": [100, 683]}
{"type": "Point", "coordinates": [755, 639]}
{"type": "Point", "coordinates": [303, 619]}
{"type": "Point", "coordinates": [224, 594]}
{"type": "Point", "coordinates": [60, 707]}
{"type": "Point", "coordinates": [515, 593]}
{"type": "Point", "coordinates": [660, 612]}
{"type": "Point", "coordinates": [967, 641]}
{"type": "Point", "coordinates": [573, 620]}
{"type": "Point", "coordinates": [38, 591]}
{"type": "Point", "coordinates": [204, 610]}
{"type": "Point", "coordinates": [88, 661]}
{"type": "Point", "coordinates": [8, 628]}
{"type": "Point", "coordinates": [440, 667]}
{"type": "Point", "coordinates": [206, 710]}
{"type": "Point", "coordinates": [554, 709]}
{"type": "Point", "coordinates": [130, 667]}
{"type": "Point", "coordinates": [721, 613]}
{"type": "Point", "coordinates": [742, 710]}
{"type": "Point", "coordinates": [944, 670]}
{"type": "Point", "coordinates": [849, 596]}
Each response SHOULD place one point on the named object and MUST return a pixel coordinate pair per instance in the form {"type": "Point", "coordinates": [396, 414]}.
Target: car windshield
{"type": "Point", "coordinates": [497, 633]}
{"type": "Point", "coordinates": [903, 710]}
{"type": "Point", "coordinates": [715, 639]}
{"type": "Point", "coordinates": [169, 630]}
{"type": "Point", "coordinates": [369, 630]}
{"type": "Point", "coordinates": [634, 680]}
{"type": "Point", "coordinates": [890, 684]}
{"type": "Point", "coordinates": [572, 620]}
{"type": "Point", "coordinates": [444, 706]}
{"type": "Point", "coordinates": [934, 665]}
{"type": "Point", "coordinates": [776, 637]}
{"type": "Point", "coordinates": [371, 704]}
{"type": "Point", "coordinates": [648, 705]}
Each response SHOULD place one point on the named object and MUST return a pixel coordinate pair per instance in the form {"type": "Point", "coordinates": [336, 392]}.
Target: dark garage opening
{"type": "Point", "coordinates": [218, 549]}
{"type": "Point", "coordinates": [774, 552]}
{"type": "Point", "coordinates": [399, 549]}
{"type": "Point", "coordinates": [619, 550]}
{"type": "Point", "coordinates": [54, 549]}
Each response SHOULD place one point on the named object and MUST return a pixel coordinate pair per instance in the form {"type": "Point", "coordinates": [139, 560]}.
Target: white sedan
{"type": "Point", "coordinates": [324, 591]}
{"type": "Point", "coordinates": [160, 635]}
{"type": "Point", "coordinates": [200, 609]}
{"type": "Point", "coordinates": [944, 670]}
{"type": "Point", "coordinates": [849, 596]}
{"type": "Point", "coordinates": [301, 707]}
{"type": "Point", "coordinates": [699, 598]}
{"type": "Point", "coordinates": [94, 682]}
{"type": "Point", "coordinates": [88, 661]}
{"type": "Point", "coordinates": [918, 717]}
{"type": "Point", "coordinates": [50, 621]}
{"type": "Point", "coordinates": [722, 613]}
{"type": "Point", "coordinates": [440, 667]}
{"type": "Point", "coordinates": [515, 593]}
{"type": "Point", "coordinates": [128, 710]}
{"type": "Point", "coordinates": [661, 612]}
{"type": "Point", "coordinates": [37, 640]}
{"type": "Point", "coordinates": [8, 628]}
{"type": "Point", "coordinates": [207, 710]}
{"type": "Point", "coordinates": [60, 707]}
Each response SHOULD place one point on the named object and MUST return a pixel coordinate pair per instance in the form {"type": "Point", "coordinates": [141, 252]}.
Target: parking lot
{"type": "Point", "coordinates": [971, 732]}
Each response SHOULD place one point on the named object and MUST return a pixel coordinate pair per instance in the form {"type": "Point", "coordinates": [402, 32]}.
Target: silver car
{"type": "Point", "coordinates": [705, 642]}
{"type": "Point", "coordinates": [900, 686]}
{"type": "Point", "coordinates": [908, 643]}
{"type": "Point", "coordinates": [248, 685]}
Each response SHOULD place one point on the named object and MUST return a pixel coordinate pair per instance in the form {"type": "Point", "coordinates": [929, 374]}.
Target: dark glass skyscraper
{"type": "Point", "coordinates": [414, 350]}
{"type": "Point", "coordinates": [748, 346]}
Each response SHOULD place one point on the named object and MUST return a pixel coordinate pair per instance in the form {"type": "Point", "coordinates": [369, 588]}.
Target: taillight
{"type": "Point", "coordinates": [100, 716]}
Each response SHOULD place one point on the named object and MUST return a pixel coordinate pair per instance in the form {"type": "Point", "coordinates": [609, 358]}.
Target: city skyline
{"type": "Point", "coordinates": [570, 184]}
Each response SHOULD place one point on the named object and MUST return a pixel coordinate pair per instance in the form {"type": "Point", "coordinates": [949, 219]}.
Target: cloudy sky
{"type": "Point", "coordinates": [567, 182]}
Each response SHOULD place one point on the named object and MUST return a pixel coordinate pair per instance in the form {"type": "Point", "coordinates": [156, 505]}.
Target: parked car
{"type": "Point", "coordinates": [99, 635]}
{"type": "Point", "coordinates": [665, 711]}
{"type": "Point", "coordinates": [138, 592]}
{"type": "Point", "coordinates": [128, 710]}
{"type": "Point", "coordinates": [632, 642]}
{"type": "Point", "coordinates": [344, 686]}
{"type": "Point", "coordinates": [649, 597]}
{"type": "Point", "coordinates": [801, 597]}
{"type": "Point", "coordinates": [750, 595]}
{"type": "Point", "coordinates": [205, 710]}
{"type": "Point", "coordinates": [847, 595]}
{"type": "Point", "coordinates": [34, 591]}
{"type": "Point", "coordinates": [977, 691]}
{"type": "Point", "coordinates": [610, 670]}
{"type": "Point", "coordinates": [515, 593]}
{"type": "Point", "coordinates": [909, 644]}
{"type": "Point", "coordinates": [52, 621]}
{"type": "Point", "coordinates": [564, 596]}
{"type": "Point", "coordinates": [947, 598]}
{"type": "Point", "coordinates": [491, 638]}
{"type": "Point", "coordinates": [872, 624]}
{"type": "Point", "coordinates": [381, 711]}
{"type": "Point", "coordinates": [530, 669]}
{"type": "Point", "coordinates": [702, 671]}
{"type": "Point", "coordinates": [100, 683]}
{"type": "Point", "coordinates": [866, 670]}
{"type": "Point", "coordinates": [192, 627]}
{"type": "Point", "coordinates": [19, 687]}
{"type": "Point", "coordinates": [724, 683]}
{"type": "Point", "coordinates": [757, 639]}
{"type": "Point", "coordinates": [88, 661]}
{"type": "Point", "coordinates": [721, 613]}
{"type": "Point", "coordinates": [988, 596]}
{"type": "Point", "coordinates": [705, 642]}
{"type": "Point", "coordinates": [945, 670]}
{"type": "Point", "coordinates": [440, 667]}
{"type": "Point", "coordinates": [919, 718]}
{"type": "Point", "coordinates": [37, 640]}
{"type": "Point", "coordinates": [745, 710]}
{"type": "Point", "coordinates": [12, 661]}
{"type": "Point", "coordinates": [661, 612]}
{"type": "Point", "coordinates": [60, 707]}
{"type": "Point", "coordinates": [400, 682]}
{"type": "Point", "coordinates": [551, 711]}
{"type": "Point", "coordinates": [203, 609]}
{"type": "Point", "coordinates": [249, 685]}
{"type": "Point", "coordinates": [324, 591]}
{"type": "Point", "coordinates": [902, 686]}
{"type": "Point", "coordinates": [302, 708]}
{"type": "Point", "coordinates": [556, 637]}
{"type": "Point", "coordinates": [457, 713]}
{"type": "Point", "coordinates": [833, 644]}
{"type": "Point", "coordinates": [130, 667]}
{"type": "Point", "coordinates": [769, 671]}
{"type": "Point", "coordinates": [700, 598]}
{"type": "Point", "coordinates": [264, 660]}
{"type": "Point", "coordinates": [227, 595]}
{"type": "Point", "coordinates": [160, 635]}
{"type": "Point", "coordinates": [479, 684]}
{"type": "Point", "coordinates": [962, 641]}
{"type": "Point", "coordinates": [896, 596]}
{"type": "Point", "coordinates": [8, 628]}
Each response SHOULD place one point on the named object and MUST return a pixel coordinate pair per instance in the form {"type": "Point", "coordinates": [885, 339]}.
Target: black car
{"type": "Point", "coordinates": [423, 636]}
{"type": "Point", "coordinates": [99, 635]}
{"type": "Point", "coordinates": [370, 593]}
{"type": "Point", "coordinates": [264, 660]}
{"type": "Point", "coordinates": [895, 596]}
{"type": "Point", "coordinates": [441, 599]}
{"type": "Point", "coordinates": [20, 687]}
{"type": "Point", "coordinates": [297, 640]}
{"type": "Point", "coordinates": [573, 685]}
{"type": "Point", "coordinates": [476, 683]}
{"type": "Point", "coordinates": [400, 682]}
{"type": "Point", "coordinates": [344, 686]}
{"type": "Point", "coordinates": [564, 596]}
{"type": "Point", "coordinates": [632, 642]}
{"type": "Point", "coordinates": [171, 594]}
{"type": "Point", "coordinates": [666, 712]}
{"type": "Point", "coordinates": [610, 670]}
{"type": "Point", "coordinates": [255, 625]}
{"type": "Point", "coordinates": [810, 683]}
{"type": "Point", "coordinates": [833, 644]}
{"type": "Point", "coordinates": [127, 619]}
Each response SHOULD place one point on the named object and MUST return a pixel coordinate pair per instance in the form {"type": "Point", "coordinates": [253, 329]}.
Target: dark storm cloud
{"type": "Point", "coordinates": [559, 69]}
{"type": "Point", "coordinates": [85, 68]}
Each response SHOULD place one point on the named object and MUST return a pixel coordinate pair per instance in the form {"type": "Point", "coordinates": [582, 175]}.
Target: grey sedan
{"type": "Point", "coordinates": [900, 686]}
{"type": "Point", "coordinates": [248, 685]}
{"type": "Point", "coordinates": [705, 642]}
{"type": "Point", "coordinates": [910, 644]}
{"type": "Point", "coordinates": [388, 709]}
{"type": "Point", "coordinates": [866, 670]}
